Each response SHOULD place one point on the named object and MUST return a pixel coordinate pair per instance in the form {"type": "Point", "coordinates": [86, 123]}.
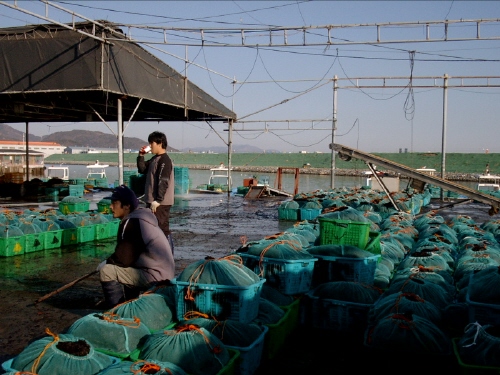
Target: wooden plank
{"type": "Point", "coordinates": [254, 192]}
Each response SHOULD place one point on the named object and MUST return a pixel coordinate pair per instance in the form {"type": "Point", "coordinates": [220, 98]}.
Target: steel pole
{"type": "Point", "coordinates": [334, 128]}
{"type": "Point", "coordinates": [443, 144]}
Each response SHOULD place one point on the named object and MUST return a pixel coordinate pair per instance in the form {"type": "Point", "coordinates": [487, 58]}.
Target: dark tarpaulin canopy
{"type": "Point", "coordinates": [52, 74]}
{"type": "Point", "coordinates": [90, 72]}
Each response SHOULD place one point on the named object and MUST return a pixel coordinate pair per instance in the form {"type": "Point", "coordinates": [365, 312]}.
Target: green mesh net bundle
{"type": "Point", "coordinates": [401, 237]}
{"type": "Point", "coordinates": [7, 231]}
{"type": "Point", "coordinates": [168, 292]}
{"type": "Point", "coordinates": [484, 286]}
{"type": "Point", "coordinates": [281, 246]}
{"type": "Point", "coordinates": [434, 244]}
{"type": "Point", "coordinates": [46, 224]}
{"type": "Point", "coordinates": [142, 367]}
{"type": "Point", "coordinates": [382, 275]}
{"type": "Point", "coordinates": [439, 277]}
{"type": "Point", "coordinates": [307, 234]}
{"type": "Point", "coordinates": [401, 303]}
{"type": "Point", "coordinates": [72, 199]}
{"type": "Point", "coordinates": [64, 223]}
{"type": "Point", "coordinates": [427, 290]}
{"type": "Point", "coordinates": [110, 333]}
{"type": "Point", "coordinates": [426, 259]}
{"type": "Point", "coordinates": [480, 345]}
{"type": "Point", "coordinates": [29, 228]}
{"type": "Point", "coordinates": [310, 226]}
{"type": "Point", "coordinates": [408, 333]}
{"type": "Point", "coordinates": [97, 218]}
{"type": "Point", "coordinates": [274, 295]}
{"type": "Point", "coordinates": [392, 249]}
{"type": "Point", "coordinates": [441, 232]}
{"type": "Point", "coordinates": [150, 308]}
{"type": "Point", "coordinates": [228, 270]}
{"type": "Point", "coordinates": [61, 355]}
{"type": "Point", "coordinates": [230, 332]}
{"type": "Point", "coordinates": [348, 291]}
{"type": "Point", "coordinates": [196, 350]}
{"type": "Point", "coordinates": [269, 312]}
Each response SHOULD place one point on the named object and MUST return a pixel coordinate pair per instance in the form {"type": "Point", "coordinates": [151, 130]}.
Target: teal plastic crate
{"type": "Point", "coordinates": [222, 302]}
{"type": "Point", "coordinates": [288, 214]}
{"type": "Point", "coordinates": [53, 239]}
{"type": "Point", "coordinates": [288, 276]}
{"type": "Point", "coordinates": [309, 213]}
{"type": "Point", "coordinates": [251, 355]}
{"type": "Point", "coordinates": [76, 190]}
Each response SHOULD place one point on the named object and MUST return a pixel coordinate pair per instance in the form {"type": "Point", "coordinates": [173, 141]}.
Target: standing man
{"type": "Point", "coordinates": [142, 255]}
{"type": "Point", "coordinates": [159, 187]}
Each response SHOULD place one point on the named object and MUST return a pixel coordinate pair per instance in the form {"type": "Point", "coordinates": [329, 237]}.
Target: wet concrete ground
{"type": "Point", "coordinates": [203, 225]}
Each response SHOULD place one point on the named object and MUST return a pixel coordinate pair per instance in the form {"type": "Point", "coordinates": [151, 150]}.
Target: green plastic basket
{"type": "Point", "coordinates": [10, 246]}
{"type": "Point", "coordinates": [343, 232]}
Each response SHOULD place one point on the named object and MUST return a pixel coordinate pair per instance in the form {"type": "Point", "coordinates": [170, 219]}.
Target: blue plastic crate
{"type": "Point", "coordinates": [329, 314]}
{"type": "Point", "coordinates": [331, 268]}
{"type": "Point", "coordinates": [250, 356]}
{"type": "Point", "coordinates": [288, 214]}
{"type": "Point", "coordinates": [222, 302]}
{"type": "Point", "coordinates": [288, 276]}
{"type": "Point", "coordinates": [309, 213]}
{"type": "Point", "coordinates": [484, 313]}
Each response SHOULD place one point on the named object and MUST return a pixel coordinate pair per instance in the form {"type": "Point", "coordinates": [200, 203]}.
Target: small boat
{"type": "Point", "coordinates": [218, 182]}
{"type": "Point", "coordinates": [96, 176]}
{"type": "Point", "coordinates": [488, 183]}
{"type": "Point", "coordinates": [97, 170]}
{"type": "Point", "coordinates": [58, 172]}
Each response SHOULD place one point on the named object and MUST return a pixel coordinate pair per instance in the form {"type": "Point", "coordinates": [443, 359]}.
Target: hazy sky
{"type": "Point", "coordinates": [280, 85]}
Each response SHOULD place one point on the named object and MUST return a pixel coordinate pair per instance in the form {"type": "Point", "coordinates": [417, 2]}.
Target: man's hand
{"type": "Point", "coordinates": [101, 265]}
{"type": "Point", "coordinates": [142, 152]}
{"type": "Point", "coordinates": [154, 206]}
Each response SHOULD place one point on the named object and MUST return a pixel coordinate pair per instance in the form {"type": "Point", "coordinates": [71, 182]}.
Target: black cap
{"type": "Point", "coordinates": [125, 195]}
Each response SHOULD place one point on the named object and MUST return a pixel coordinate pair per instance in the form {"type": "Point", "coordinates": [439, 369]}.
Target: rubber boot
{"type": "Point", "coordinates": [114, 293]}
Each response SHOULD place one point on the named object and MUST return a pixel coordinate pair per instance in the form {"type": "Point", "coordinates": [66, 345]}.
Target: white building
{"type": "Point", "coordinates": [48, 148]}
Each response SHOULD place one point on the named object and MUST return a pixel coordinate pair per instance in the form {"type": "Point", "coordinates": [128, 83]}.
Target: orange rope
{"type": "Point", "coordinates": [192, 327]}
{"type": "Point", "coordinates": [146, 368]}
{"type": "Point", "coordinates": [115, 318]}
{"type": "Point", "coordinates": [39, 358]}
{"type": "Point", "coordinates": [292, 244]}
{"type": "Point", "coordinates": [193, 279]}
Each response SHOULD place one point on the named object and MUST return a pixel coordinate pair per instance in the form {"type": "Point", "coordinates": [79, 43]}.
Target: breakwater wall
{"type": "Point", "coordinates": [256, 170]}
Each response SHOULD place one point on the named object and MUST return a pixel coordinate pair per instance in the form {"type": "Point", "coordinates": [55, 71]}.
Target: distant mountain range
{"type": "Point", "coordinates": [95, 139]}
